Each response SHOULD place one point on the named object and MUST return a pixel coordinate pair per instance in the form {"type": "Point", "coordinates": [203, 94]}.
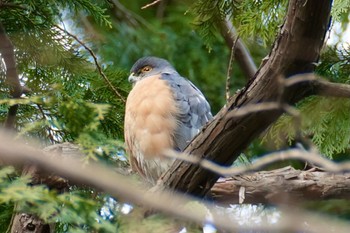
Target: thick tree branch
{"type": "Point", "coordinates": [295, 50]}
{"type": "Point", "coordinates": [293, 185]}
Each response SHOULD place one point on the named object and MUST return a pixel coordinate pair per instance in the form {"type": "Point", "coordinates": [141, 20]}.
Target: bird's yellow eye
{"type": "Point", "coordinates": [146, 69]}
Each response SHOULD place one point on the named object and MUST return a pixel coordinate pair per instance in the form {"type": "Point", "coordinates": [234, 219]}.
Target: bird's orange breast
{"type": "Point", "coordinates": [150, 118]}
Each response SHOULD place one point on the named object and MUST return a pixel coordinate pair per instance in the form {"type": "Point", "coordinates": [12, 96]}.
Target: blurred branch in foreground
{"type": "Point", "coordinates": [105, 179]}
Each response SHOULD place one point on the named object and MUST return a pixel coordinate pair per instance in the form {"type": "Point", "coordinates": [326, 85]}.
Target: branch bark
{"type": "Point", "coordinates": [223, 139]}
{"type": "Point", "coordinates": [269, 186]}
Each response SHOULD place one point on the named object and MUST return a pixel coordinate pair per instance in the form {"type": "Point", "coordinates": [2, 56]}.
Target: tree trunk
{"type": "Point", "coordinates": [296, 49]}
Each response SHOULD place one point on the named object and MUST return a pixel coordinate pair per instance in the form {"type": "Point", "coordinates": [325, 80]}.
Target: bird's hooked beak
{"type": "Point", "coordinates": [132, 78]}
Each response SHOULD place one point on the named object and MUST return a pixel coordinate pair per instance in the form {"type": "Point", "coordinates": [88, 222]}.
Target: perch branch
{"type": "Point", "coordinates": [266, 187]}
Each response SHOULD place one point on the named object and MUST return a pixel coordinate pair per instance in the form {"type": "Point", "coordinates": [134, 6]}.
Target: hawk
{"type": "Point", "coordinates": [163, 111]}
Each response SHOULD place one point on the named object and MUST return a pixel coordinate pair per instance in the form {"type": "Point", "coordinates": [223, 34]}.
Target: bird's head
{"type": "Point", "coordinates": [149, 66]}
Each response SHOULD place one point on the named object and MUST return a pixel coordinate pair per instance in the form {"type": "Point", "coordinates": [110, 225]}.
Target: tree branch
{"type": "Point", "coordinates": [8, 54]}
{"type": "Point", "coordinates": [229, 71]}
{"type": "Point", "coordinates": [12, 79]}
{"type": "Point", "coordinates": [241, 53]}
{"type": "Point", "coordinates": [267, 187]}
{"type": "Point", "coordinates": [292, 154]}
{"type": "Point", "coordinates": [325, 88]}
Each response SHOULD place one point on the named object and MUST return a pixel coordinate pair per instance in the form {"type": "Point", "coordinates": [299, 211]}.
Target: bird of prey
{"type": "Point", "coordinates": [163, 111]}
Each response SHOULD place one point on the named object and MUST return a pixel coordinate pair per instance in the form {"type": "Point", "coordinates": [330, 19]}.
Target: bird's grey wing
{"type": "Point", "coordinates": [194, 109]}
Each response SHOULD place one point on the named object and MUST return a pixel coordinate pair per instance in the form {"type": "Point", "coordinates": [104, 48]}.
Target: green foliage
{"type": "Point", "coordinates": [325, 120]}
{"type": "Point", "coordinates": [40, 14]}
{"type": "Point", "coordinates": [259, 19]}
{"type": "Point", "coordinates": [5, 216]}
{"type": "Point", "coordinates": [253, 19]}
{"type": "Point", "coordinates": [64, 104]}
{"type": "Point", "coordinates": [340, 9]}
{"type": "Point", "coordinates": [69, 101]}
{"type": "Point", "coordinates": [209, 14]}
{"type": "Point", "coordinates": [75, 209]}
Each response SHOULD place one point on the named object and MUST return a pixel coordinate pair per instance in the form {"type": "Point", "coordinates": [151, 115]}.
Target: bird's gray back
{"type": "Point", "coordinates": [194, 109]}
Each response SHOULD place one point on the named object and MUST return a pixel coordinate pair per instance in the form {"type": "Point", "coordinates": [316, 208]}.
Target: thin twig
{"type": "Point", "coordinates": [292, 154]}
{"type": "Point", "coordinates": [99, 68]}
{"type": "Point", "coordinates": [229, 70]}
{"type": "Point", "coordinates": [150, 4]}
{"type": "Point", "coordinates": [253, 108]}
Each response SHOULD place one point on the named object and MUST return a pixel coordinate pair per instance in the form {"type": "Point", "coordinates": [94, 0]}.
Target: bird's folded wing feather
{"type": "Point", "coordinates": [193, 108]}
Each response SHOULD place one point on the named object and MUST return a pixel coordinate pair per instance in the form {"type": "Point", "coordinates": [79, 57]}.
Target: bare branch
{"type": "Point", "coordinates": [241, 53]}
{"type": "Point", "coordinates": [99, 68]}
{"type": "Point", "coordinates": [325, 88]}
{"type": "Point", "coordinates": [150, 4]}
{"type": "Point", "coordinates": [291, 154]}
{"type": "Point", "coordinates": [293, 185]}
{"type": "Point", "coordinates": [319, 86]}
{"type": "Point", "coordinates": [253, 108]}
